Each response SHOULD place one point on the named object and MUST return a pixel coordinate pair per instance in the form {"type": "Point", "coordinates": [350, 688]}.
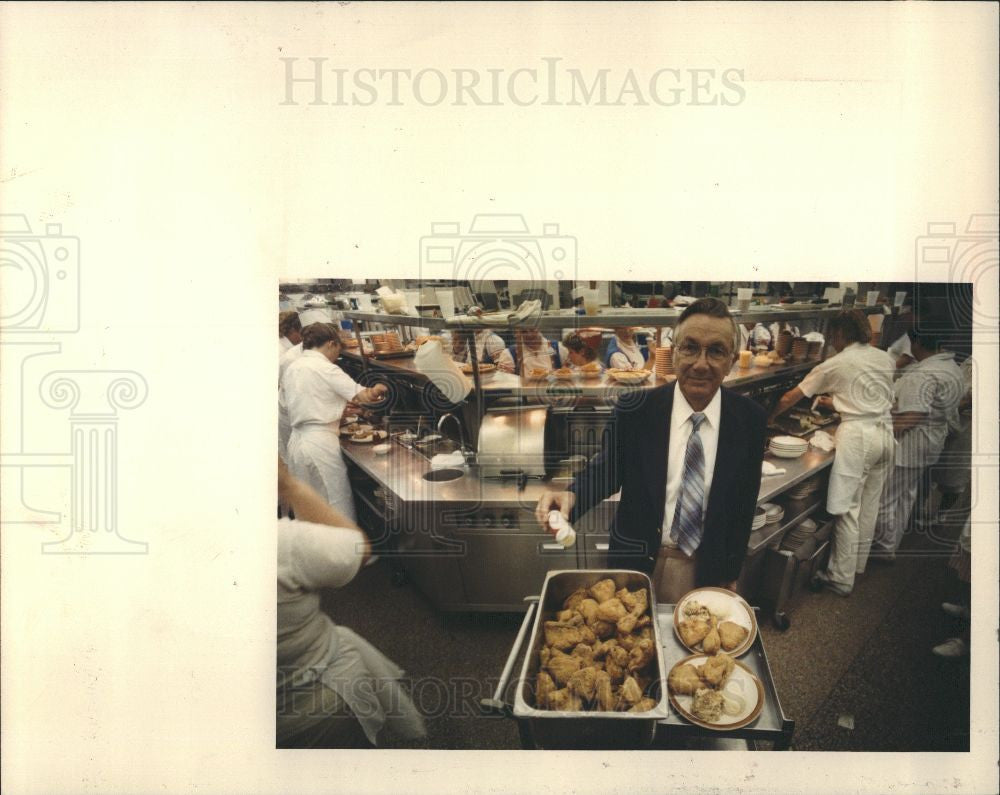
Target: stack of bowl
{"type": "Point", "coordinates": [664, 361]}
{"type": "Point", "coordinates": [773, 513]}
{"type": "Point", "coordinates": [814, 350]}
{"type": "Point", "coordinates": [784, 343]}
{"type": "Point", "coordinates": [798, 535]}
{"type": "Point", "coordinates": [800, 347]}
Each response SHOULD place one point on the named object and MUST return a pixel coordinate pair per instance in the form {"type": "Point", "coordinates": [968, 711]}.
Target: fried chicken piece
{"type": "Point", "coordinates": [619, 654]}
{"type": "Point", "coordinates": [635, 601]}
{"type": "Point", "coordinates": [588, 636]}
{"type": "Point", "coordinates": [693, 631]}
{"type": "Point", "coordinates": [584, 683]}
{"type": "Point", "coordinates": [603, 629]}
{"type": "Point", "coordinates": [695, 609]}
{"type": "Point", "coordinates": [611, 610]}
{"type": "Point", "coordinates": [565, 700]}
{"type": "Point", "coordinates": [584, 652]}
{"type": "Point", "coordinates": [544, 654]}
{"type": "Point", "coordinates": [732, 635]}
{"type": "Point", "coordinates": [543, 687]}
{"type": "Point", "coordinates": [631, 692]}
{"type": "Point", "coordinates": [711, 642]}
{"type": "Point", "coordinates": [684, 680]}
{"type": "Point", "coordinates": [575, 598]}
{"type": "Point", "coordinates": [643, 623]}
{"type": "Point", "coordinates": [626, 624]}
{"type": "Point", "coordinates": [644, 705]}
{"type": "Point", "coordinates": [707, 705]}
{"type": "Point", "coordinates": [563, 666]}
{"type": "Point", "coordinates": [615, 670]}
{"type": "Point", "coordinates": [603, 590]}
{"type": "Point", "coordinates": [562, 635]}
{"type": "Point", "coordinates": [588, 609]}
{"type": "Point", "coordinates": [641, 654]}
{"type": "Point", "coordinates": [605, 697]}
{"type": "Point", "coordinates": [564, 616]}
{"type": "Point", "coordinates": [602, 647]}
{"type": "Point", "coordinates": [716, 669]}
{"type": "Point", "coordinates": [627, 642]}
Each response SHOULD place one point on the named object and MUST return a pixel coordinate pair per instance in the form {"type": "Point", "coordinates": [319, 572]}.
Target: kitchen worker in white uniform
{"type": "Point", "coordinates": [316, 390]}
{"type": "Point", "coordinates": [754, 335]}
{"type": "Point", "coordinates": [289, 329]}
{"type": "Point", "coordinates": [289, 355]}
{"type": "Point", "coordinates": [928, 394]}
{"type": "Point", "coordinates": [537, 351]}
{"type": "Point", "coordinates": [625, 353]}
{"type": "Point", "coordinates": [858, 381]}
{"type": "Point", "coordinates": [489, 346]}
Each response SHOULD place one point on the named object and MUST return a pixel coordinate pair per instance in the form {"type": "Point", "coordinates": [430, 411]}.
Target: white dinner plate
{"type": "Point", "coordinates": [726, 606]}
{"type": "Point", "coordinates": [742, 686]}
{"type": "Point", "coordinates": [787, 454]}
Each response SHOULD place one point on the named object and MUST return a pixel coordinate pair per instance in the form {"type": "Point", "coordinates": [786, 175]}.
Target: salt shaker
{"type": "Point", "coordinates": [565, 534]}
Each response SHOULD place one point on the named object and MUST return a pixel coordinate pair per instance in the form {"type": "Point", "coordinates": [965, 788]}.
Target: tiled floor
{"type": "Point", "coordinates": [865, 657]}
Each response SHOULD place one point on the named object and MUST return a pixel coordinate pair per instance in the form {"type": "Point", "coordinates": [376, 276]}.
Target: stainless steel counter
{"type": "Point", "coordinates": [509, 383]}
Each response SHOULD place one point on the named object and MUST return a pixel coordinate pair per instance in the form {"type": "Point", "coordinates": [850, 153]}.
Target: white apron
{"type": "Point", "coordinates": [314, 457]}
{"type": "Point", "coordinates": [858, 440]}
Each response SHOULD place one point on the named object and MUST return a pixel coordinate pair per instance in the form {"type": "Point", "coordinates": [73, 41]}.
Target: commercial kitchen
{"type": "Point", "coordinates": [446, 469]}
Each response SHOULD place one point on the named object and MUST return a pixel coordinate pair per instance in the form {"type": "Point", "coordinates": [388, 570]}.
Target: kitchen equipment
{"type": "Point", "coordinates": [582, 730]}
{"type": "Point", "coordinates": [512, 439]}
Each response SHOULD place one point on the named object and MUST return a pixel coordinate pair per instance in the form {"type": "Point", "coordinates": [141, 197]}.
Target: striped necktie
{"type": "Point", "coordinates": [687, 527]}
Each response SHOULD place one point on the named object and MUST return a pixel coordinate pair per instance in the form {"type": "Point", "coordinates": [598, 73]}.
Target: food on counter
{"type": "Point", "coordinates": [562, 635]}
{"type": "Point", "coordinates": [712, 642]}
{"type": "Point", "coordinates": [732, 635]}
{"type": "Point", "coordinates": [684, 680]}
{"type": "Point", "coordinates": [644, 705]}
{"type": "Point", "coordinates": [537, 373]}
{"type": "Point", "coordinates": [563, 373]}
{"type": "Point", "coordinates": [693, 631]}
{"type": "Point", "coordinates": [602, 590]}
{"type": "Point", "coordinates": [707, 704]}
{"type": "Point", "coordinates": [717, 668]}
{"type": "Point", "coordinates": [591, 369]}
{"type": "Point", "coordinates": [607, 669]}
{"type": "Point", "coordinates": [695, 609]}
{"type": "Point", "coordinates": [483, 368]}
{"type": "Point", "coordinates": [761, 360]}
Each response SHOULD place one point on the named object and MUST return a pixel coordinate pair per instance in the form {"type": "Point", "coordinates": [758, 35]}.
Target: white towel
{"type": "Point", "coordinates": [448, 460]}
{"type": "Point", "coordinates": [526, 310]}
{"type": "Point", "coordinates": [431, 360]}
{"type": "Point", "coordinates": [767, 468]}
{"type": "Point", "coordinates": [821, 440]}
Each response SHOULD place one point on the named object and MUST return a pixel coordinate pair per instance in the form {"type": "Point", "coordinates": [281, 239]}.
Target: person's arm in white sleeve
{"type": "Point", "coordinates": [505, 361]}
{"type": "Point", "coordinates": [619, 360]}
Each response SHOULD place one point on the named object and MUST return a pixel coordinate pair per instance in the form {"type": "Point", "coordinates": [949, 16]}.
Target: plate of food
{"type": "Point", "coordinates": [708, 620]}
{"type": "Point", "coordinates": [537, 374]}
{"type": "Point", "coordinates": [591, 370]}
{"type": "Point", "coordinates": [715, 691]}
{"type": "Point", "coordinates": [563, 374]}
{"type": "Point", "coordinates": [483, 368]}
{"type": "Point", "coordinates": [363, 437]}
{"type": "Point", "coordinates": [352, 428]}
{"type": "Point", "coordinates": [630, 376]}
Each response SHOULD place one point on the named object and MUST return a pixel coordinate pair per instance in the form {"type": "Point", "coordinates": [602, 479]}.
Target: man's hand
{"type": "Point", "coordinates": [562, 501]}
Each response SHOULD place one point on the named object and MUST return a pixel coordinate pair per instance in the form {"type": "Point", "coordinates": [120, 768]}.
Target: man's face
{"type": "Point", "coordinates": [703, 357]}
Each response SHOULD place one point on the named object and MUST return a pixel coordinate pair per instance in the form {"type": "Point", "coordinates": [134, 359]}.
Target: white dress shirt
{"type": "Point", "coordinates": [933, 387]}
{"type": "Point", "coordinates": [680, 432]}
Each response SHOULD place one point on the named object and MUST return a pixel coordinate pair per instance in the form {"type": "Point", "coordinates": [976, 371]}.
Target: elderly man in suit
{"type": "Point", "coordinates": [687, 460]}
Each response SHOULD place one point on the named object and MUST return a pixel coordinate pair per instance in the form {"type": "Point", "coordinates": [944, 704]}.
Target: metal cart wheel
{"type": "Point", "coordinates": [781, 621]}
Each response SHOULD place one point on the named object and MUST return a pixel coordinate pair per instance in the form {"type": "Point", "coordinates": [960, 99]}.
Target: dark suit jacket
{"type": "Point", "coordinates": [635, 461]}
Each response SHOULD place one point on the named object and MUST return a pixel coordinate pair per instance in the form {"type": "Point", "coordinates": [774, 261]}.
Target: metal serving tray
{"type": "Point", "coordinates": [556, 729]}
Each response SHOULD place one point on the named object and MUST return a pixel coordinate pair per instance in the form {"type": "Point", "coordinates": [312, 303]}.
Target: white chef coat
{"type": "Point", "coordinates": [285, 344]}
{"type": "Point", "coordinates": [489, 346]}
{"type": "Point", "coordinates": [316, 392]}
{"type": "Point", "coordinates": [935, 387]}
{"type": "Point", "coordinates": [859, 379]}
{"type": "Point", "coordinates": [680, 432]}
{"type": "Point", "coordinates": [901, 347]}
{"type": "Point", "coordinates": [541, 358]}
{"type": "Point", "coordinates": [284, 425]}
{"type": "Point", "coordinates": [754, 337]}
{"type": "Point", "coordinates": [627, 357]}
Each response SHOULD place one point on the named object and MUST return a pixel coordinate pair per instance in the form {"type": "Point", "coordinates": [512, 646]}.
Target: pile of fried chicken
{"type": "Point", "coordinates": [701, 627]}
{"type": "Point", "coordinates": [599, 653]}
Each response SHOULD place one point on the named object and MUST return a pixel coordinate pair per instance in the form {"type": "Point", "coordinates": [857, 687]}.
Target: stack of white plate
{"type": "Point", "coordinates": [804, 489]}
{"type": "Point", "coordinates": [773, 512]}
{"type": "Point", "coordinates": [799, 534]}
{"type": "Point", "coordinates": [788, 446]}
{"type": "Point", "coordinates": [759, 519]}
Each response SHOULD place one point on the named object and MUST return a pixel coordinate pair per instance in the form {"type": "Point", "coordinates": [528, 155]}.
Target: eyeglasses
{"type": "Point", "coordinates": [715, 353]}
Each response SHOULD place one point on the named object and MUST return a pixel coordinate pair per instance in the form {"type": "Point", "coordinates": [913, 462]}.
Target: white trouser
{"type": "Point", "coordinates": [314, 457]}
{"type": "Point", "coordinates": [865, 452]}
{"type": "Point", "coordinates": [898, 498]}
{"type": "Point", "coordinates": [284, 431]}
